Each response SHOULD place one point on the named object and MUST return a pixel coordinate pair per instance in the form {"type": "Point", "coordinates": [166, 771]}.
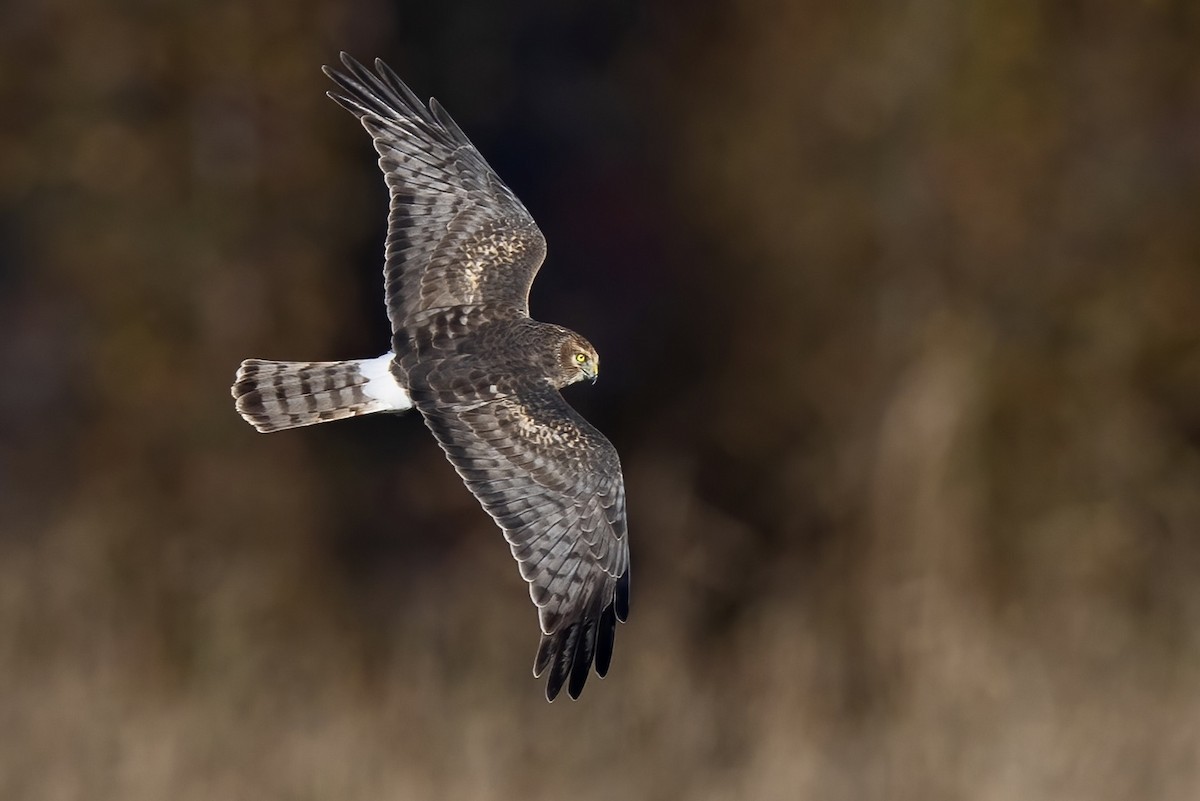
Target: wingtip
{"type": "Point", "coordinates": [621, 599]}
{"type": "Point", "coordinates": [547, 653]}
{"type": "Point", "coordinates": [554, 687]}
{"type": "Point", "coordinates": [606, 633]}
{"type": "Point", "coordinates": [342, 57]}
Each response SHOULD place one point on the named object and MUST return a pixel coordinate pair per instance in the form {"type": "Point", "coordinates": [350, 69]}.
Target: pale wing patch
{"type": "Point", "coordinates": [537, 432]}
{"type": "Point", "coordinates": [490, 250]}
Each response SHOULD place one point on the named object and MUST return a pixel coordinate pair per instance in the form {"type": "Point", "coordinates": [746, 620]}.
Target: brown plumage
{"type": "Point", "coordinates": [461, 255]}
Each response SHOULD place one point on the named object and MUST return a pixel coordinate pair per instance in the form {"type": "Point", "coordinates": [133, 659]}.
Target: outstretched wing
{"type": "Point", "coordinates": [553, 484]}
{"type": "Point", "coordinates": [457, 236]}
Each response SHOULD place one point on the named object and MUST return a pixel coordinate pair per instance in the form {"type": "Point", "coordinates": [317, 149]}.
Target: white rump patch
{"type": "Point", "coordinates": [382, 387]}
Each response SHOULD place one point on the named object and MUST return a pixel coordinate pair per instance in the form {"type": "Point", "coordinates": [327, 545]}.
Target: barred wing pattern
{"type": "Point", "coordinates": [461, 255]}
{"type": "Point", "coordinates": [553, 484]}
{"type": "Point", "coordinates": [457, 236]}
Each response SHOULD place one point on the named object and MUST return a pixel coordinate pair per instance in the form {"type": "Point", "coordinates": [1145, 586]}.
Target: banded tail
{"type": "Point", "coordinates": [272, 396]}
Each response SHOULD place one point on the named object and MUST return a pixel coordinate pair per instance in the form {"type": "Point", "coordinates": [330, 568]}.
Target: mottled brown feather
{"type": "Point", "coordinates": [461, 255]}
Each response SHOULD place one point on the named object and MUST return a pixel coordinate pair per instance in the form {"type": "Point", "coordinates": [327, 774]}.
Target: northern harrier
{"type": "Point", "coordinates": [461, 254]}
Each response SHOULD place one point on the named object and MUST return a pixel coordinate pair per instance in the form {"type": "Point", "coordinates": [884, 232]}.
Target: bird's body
{"type": "Point", "coordinates": [461, 254]}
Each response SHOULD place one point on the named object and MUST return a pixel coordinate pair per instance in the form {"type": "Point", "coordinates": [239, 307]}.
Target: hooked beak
{"type": "Point", "coordinates": [592, 371]}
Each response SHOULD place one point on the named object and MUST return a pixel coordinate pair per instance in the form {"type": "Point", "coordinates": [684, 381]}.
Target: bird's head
{"type": "Point", "coordinates": [577, 360]}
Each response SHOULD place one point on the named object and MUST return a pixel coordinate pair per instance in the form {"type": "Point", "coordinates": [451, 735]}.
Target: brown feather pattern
{"type": "Point", "coordinates": [461, 255]}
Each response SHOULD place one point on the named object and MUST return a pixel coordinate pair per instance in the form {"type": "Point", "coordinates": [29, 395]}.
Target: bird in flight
{"type": "Point", "coordinates": [461, 254]}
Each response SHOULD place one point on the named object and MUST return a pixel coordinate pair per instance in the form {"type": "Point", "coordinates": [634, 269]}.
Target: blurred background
{"type": "Point", "coordinates": [899, 308]}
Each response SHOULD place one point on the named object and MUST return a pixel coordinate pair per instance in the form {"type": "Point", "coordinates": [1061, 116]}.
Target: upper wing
{"type": "Point", "coordinates": [553, 484]}
{"type": "Point", "coordinates": [457, 236]}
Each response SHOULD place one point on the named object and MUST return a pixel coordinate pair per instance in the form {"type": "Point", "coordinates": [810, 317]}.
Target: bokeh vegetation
{"type": "Point", "coordinates": [899, 308]}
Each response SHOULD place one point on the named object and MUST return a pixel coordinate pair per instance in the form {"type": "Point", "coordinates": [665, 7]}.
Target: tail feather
{"type": "Point", "coordinates": [272, 396]}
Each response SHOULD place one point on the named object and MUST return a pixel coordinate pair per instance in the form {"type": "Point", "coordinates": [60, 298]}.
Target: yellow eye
{"type": "Point", "coordinates": [581, 358]}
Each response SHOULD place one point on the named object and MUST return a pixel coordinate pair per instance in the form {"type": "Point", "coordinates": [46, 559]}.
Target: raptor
{"type": "Point", "coordinates": [461, 254]}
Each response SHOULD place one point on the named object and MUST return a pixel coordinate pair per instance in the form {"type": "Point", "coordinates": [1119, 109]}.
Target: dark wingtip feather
{"type": "Point", "coordinates": [606, 635]}
{"type": "Point", "coordinates": [544, 652]}
{"type": "Point", "coordinates": [581, 660]}
{"type": "Point", "coordinates": [561, 661]}
{"type": "Point", "coordinates": [570, 653]}
{"type": "Point", "coordinates": [548, 653]}
{"type": "Point", "coordinates": [621, 601]}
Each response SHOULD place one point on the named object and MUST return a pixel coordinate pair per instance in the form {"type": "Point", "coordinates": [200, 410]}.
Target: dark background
{"type": "Point", "coordinates": [899, 309]}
